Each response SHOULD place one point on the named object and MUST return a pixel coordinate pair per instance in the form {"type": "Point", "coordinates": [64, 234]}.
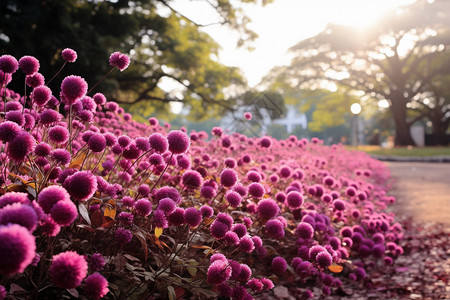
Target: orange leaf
{"type": "Point", "coordinates": [158, 232]}
{"type": "Point", "coordinates": [78, 160]}
{"type": "Point", "coordinates": [336, 268]}
{"type": "Point", "coordinates": [110, 209]}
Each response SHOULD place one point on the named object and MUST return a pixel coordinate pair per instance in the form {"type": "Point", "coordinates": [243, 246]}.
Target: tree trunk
{"type": "Point", "coordinates": [402, 134]}
{"type": "Point", "coordinates": [439, 129]}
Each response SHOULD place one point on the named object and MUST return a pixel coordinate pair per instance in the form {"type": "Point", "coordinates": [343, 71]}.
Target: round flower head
{"type": "Point", "coordinates": [267, 209]}
{"type": "Point", "coordinates": [177, 217]}
{"type": "Point", "coordinates": [266, 142]}
{"type": "Point", "coordinates": [123, 236]}
{"type": "Point", "coordinates": [73, 88]}
{"type": "Point", "coordinates": [41, 95]}
{"type": "Point", "coordinates": [22, 145]}
{"type": "Point", "coordinates": [68, 269]}
{"type": "Point", "coordinates": [49, 117]}
{"type": "Point", "coordinates": [21, 214]}
{"type": "Point", "coordinates": [207, 192]}
{"type": "Point", "coordinates": [178, 141]}
{"type": "Point", "coordinates": [339, 205]}
{"type": "Point", "coordinates": [97, 142]}
{"type": "Point", "coordinates": [192, 217]}
{"type": "Point", "coordinates": [231, 238]}
{"type": "Point", "coordinates": [304, 230]}
{"type": "Point", "coordinates": [95, 286]}
{"type": "Point", "coordinates": [233, 198]}
{"type": "Point", "coordinates": [294, 199]}
{"type": "Point", "coordinates": [324, 259]}
{"type": "Point", "coordinates": [81, 185]}
{"type": "Point", "coordinates": [253, 176]}
{"type": "Point", "coordinates": [17, 247]}
{"type": "Point", "coordinates": [5, 78]}
{"type": "Point", "coordinates": [48, 226]}
{"type": "Point", "coordinates": [8, 64]}
{"type": "Point", "coordinates": [206, 211]}
{"type": "Point", "coordinates": [218, 229]}
{"type": "Point", "coordinates": [35, 80]}
{"type": "Point", "coordinates": [119, 60]}
{"type": "Point", "coordinates": [314, 250]}
{"type": "Point", "coordinates": [245, 273]}
{"type": "Point", "coordinates": [228, 177]}
{"type": "Point", "coordinates": [192, 179]}
{"type": "Point", "coordinates": [69, 55]}
{"type": "Point", "coordinates": [246, 244]}
{"type": "Point", "coordinates": [16, 117]}
{"type": "Point", "coordinates": [64, 213]}
{"type": "Point", "coordinates": [50, 195]}
{"type": "Point", "coordinates": [61, 156]}
{"type": "Point", "coordinates": [13, 197]}
{"type": "Point", "coordinates": [159, 219]}
{"type": "Point", "coordinates": [58, 134]}
{"type": "Point", "coordinates": [279, 265]}
{"type": "Point", "coordinates": [240, 230]}
{"type": "Point", "coordinates": [9, 130]}
{"type": "Point", "coordinates": [218, 272]}
{"type": "Point", "coordinates": [96, 262]}
{"type": "Point", "coordinates": [143, 207]}
{"type": "Point", "coordinates": [248, 116]}
{"type": "Point", "coordinates": [2, 292]}
{"type": "Point", "coordinates": [230, 163]}
{"type": "Point", "coordinates": [167, 206]}
{"type": "Point", "coordinates": [13, 105]}
{"type": "Point", "coordinates": [168, 192]}
{"type": "Point", "coordinates": [29, 65]}
{"type": "Point", "coordinates": [256, 190]}
{"type": "Point", "coordinates": [275, 228]}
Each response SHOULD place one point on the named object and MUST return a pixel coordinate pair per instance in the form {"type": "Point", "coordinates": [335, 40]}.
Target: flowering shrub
{"type": "Point", "coordinates": [97, 205]}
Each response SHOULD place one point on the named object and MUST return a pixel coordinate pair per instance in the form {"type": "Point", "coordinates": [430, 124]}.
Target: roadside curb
{"type": "Point", "coordinates": [436, 159]}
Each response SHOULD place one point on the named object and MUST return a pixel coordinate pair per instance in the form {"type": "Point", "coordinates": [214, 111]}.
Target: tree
{"type": "Point", "coordinates": [162, 46]}
{"type": "Point", "coordinates": [403, 59]}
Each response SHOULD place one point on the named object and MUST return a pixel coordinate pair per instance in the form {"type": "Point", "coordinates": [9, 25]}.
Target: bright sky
{"type": "Point", "coordinates": [281, 25]}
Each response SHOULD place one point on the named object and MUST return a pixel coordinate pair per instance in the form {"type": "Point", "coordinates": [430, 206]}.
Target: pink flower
{"type": "Point", "coordinates": [68, 269]}
{"type": "Point", "coordinates": [8, 64]}
{"type": "Point", "coordinates": [69, 55]}
{"type": "Point", "coordinates": [73, 88]}
{"type": "Point", "coordinates": [119, 60]}
{"type": "Point", "coordinates": [95, 286]}
{"type": "Point", "coordinates": [17, 247]}
{"type": "Point", "coordinates": [29, 65]}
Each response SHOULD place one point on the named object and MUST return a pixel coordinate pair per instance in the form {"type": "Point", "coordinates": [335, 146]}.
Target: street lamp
{"type": "Point", "coordinates": [355, 109]}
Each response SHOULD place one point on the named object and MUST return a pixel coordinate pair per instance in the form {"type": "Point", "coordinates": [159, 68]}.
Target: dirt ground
{"type": "Point", "coordinates": [422, 190]}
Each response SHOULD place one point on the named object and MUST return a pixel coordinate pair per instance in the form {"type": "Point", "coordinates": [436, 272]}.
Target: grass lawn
{"type": "Point", "coordinates": [404, 151]}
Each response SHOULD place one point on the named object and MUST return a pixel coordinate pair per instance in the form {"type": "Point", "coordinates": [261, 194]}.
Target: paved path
{"type": "Point", "coordinates": [422, 190]}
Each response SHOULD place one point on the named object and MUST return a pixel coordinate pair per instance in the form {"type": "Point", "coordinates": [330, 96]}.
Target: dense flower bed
{"type": "Point", "coordinates": [94, 204]}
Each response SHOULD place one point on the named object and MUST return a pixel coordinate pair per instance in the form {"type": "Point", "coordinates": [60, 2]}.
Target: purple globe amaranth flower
{"type": "Point", "coordinates": [267, 209]}
{"type": "Point", "coordinates": [21, 214]}
{"type": "Point", "coordinates": [61, 156]}
{"type": "Point", "coordinates": [96, 262]}
{"type": "Point", "coordinates": [294, 199]}
{"type": "Point", "coordinates": [256, 190]}
{"type": "Point", "coordinates": [64, 212]}
{"type": "Point", "coordinates": [16, 117]}
{"type": "Point", "coordinates": [73, 88]}
{"type": "Point", "coordinates": [9, 130]}
{"type": "Point", "coordinates": [246, 244]}
{"type": "Point", "coordinates": [206, 211]}
{"type": "Point", "coordinates": [34, 80]}
{"type": "Point", "coordinates": [339, 204]}
{"type": "Point", "coordinates": [13, 197]}
{"type": "Point", "coordinates": [279, 265]}
{"type": "Point", "coordinates": [233, 198]}
{"type": "Point", "coordinates": [208, 192]}
{"type": "Point", "coordinates": [143, 207]}
{"type": "Point", "coordinates": [97, 142]}
{"type": "Point", "coordinates": [49, 117]}
{"type": "Point", "coordinates": [58, 134]}
{"type": "Point", "coordinates": [304, 230]}
{"type": "Point", "coordinates": [99, 98]}
{"type": "Point", "coordinates": [228, 177]}
{"type": "Point", "coordinates": [231, 238]}
{"type": "Point", "coordinates": [177, 217]}
{"type": "Point", "coordinates": [218, 229]}
{"type": "Point", "coordinates": [41, 95]}
{"type": "Point", "coordinates": [192, 217]}
{"type": "Point", "coordinates": [167, 205]}
{"type": "Point", "coordinates": [8, 64]}
{"type": "Point", "coordinates": [119, 60]}
{"type": "Point", "coordinates": [158, 142]}
{"type": "Point", "coordinates": [50, 195]}
{"type": "Point", "coordinates": [324, 259]}
{"type": "Point", "coordinates": [17, 244]}
{"type": "Point", "coordinates": [159, 219]}
{"type": "Point", "coordinates": [22, 145]}
{"type": "Point", "coordinates": [178, 141]}
{"type": "Point", "coordinates": [266, 142]}
{"type": "Point", "coordinates": [245, 273]}
{"type": "Point", "coordinates": [2, 292]}
{"type": "Point", "coordinates": [95, 286]}
{"type": "Point", "coordinates": [81, 185]}
{"type": "Point", "coordinates": [275, 228]}
{"type": "Point", "coordinates": [48, 226]}
{"type": "Point", "coordinates": [218, 272]}
{"type": "Point", "coordinates": [123, 236]}
{"type": "Point", "coordinates": [191, 179]}
{"type": "Point", "coordinates": [68, 269]}
{"type": "Point", "coordinates": [167, 192]}
{"type": "Point", "coordinates": [29, 65]}
{"type": "Point", "coordinates": [253, 176]}
{"type": "Point", "coordinates": [257, 241]}
{"type": "Point", "coordinates": [69, 55]}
